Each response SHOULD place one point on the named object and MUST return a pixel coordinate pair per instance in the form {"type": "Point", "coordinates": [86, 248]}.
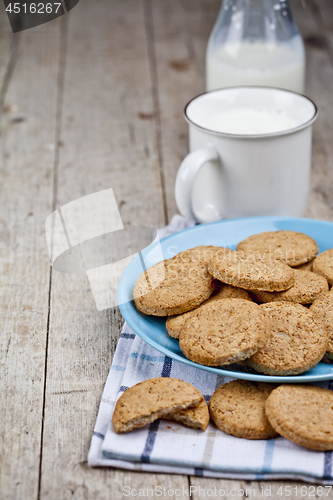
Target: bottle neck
{"type": "Point", "coordinates": [257, 20]}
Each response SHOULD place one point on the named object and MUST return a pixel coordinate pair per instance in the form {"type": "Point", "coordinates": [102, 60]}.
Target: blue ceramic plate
{"type": "Point", "coordinates": [224, 233]}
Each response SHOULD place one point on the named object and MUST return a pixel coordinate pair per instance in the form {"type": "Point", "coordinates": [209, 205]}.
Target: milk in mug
{"type": "Point", "coordinates": [250, 154]}
{"type": "Point", "coordinates": [251, 121]}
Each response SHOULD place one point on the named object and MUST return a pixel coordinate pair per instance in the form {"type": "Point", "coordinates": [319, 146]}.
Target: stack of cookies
{"type": "Point", "coordinates": [266, 305]}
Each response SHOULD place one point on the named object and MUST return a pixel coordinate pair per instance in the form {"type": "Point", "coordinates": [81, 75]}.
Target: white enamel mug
{"type": "Point", "coordinates": [228, 175]}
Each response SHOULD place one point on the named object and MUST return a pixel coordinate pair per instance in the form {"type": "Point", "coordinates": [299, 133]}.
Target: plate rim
{"type": "Point", "coordinates": [127, 306]}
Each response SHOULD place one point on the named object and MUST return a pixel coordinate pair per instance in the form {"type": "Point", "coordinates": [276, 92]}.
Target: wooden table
{"type": "Point", "coordinates": [93, 100]}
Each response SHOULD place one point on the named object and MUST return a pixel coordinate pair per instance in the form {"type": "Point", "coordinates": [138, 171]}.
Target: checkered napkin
{"type": "Point", "coordinates": [169, 447]}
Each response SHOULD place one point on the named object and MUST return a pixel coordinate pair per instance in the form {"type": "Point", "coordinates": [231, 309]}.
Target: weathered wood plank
{"type": "Point", "coordinates": [108, 139]}
{"type": "Point", "coordinates": [227, 488]}
{"type": "Point", "coordinates": [230, 489]}
{"type": "Point", "coordinates": [179, 32]}
{"type": "Point", "coordinates": [8, 56]}
{"type": "Point", "coordinates": [108, 135]}
{"type": "Point", "coordinates": [27, 159]}
{"type": "Point", "coordinates": [324, 14]}
{"type": "Point", "coordinates": [319, 74]}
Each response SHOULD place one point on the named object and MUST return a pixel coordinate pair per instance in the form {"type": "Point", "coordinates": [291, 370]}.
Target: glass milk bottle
{"type": "Point", "coordinates": [255, 42]}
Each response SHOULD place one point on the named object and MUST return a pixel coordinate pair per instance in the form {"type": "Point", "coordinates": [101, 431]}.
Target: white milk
{"type": "Point", "coordinates": [264, 64]}
{"type": "Point", "coordinates": [251, 121]}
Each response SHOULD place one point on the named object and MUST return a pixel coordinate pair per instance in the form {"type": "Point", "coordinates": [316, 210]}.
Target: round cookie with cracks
{"type": "Point", "coordinates": [173, 286]}
{"type": "Point", "coordinates": [251, 272]}
{"type": "Point", "coordinates": [174, 324]}
{"type": "Point", "coordinates": [224, 331]}
{"type": "Point", "coordinates": [287, 246]}
{"type": "Point", "coordinates": [303, 414]}
{"type": "Point", "coordinates": [298, 341]}
{"type": "Point", "coordinates": [307, 287]}
{"type": "Point", "coordinates": [238, 408]}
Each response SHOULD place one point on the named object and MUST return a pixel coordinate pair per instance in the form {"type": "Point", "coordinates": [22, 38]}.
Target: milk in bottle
{"type": "Point", "coordinates": [255, 42]}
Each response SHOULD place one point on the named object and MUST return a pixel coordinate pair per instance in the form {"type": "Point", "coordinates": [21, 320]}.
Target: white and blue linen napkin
{"type": "Point", "coordinates": [169, 447]}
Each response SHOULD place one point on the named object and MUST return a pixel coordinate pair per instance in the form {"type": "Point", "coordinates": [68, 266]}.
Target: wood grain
{"type": "Point", "coordinates": [229, 489]}
{"type": "Point", "coordinates": [179, 32]}
{"type": "Point", "coordinates": [319, 72]}
{"type": "Point", "coordinates": [26, 176]}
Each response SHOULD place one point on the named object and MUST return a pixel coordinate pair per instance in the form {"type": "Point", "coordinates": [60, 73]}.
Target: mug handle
{"type": "Point", "coordinates": [186, 175]}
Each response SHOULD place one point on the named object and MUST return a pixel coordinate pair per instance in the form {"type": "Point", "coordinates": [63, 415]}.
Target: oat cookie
{"type": "Point", "coordinates": [250, 272]}
{"type": "Point", "coordinates": [323, 265]}
{"type": "Point", "coordinates": [303, 414]}
{"type": "Point", "coordinates": [288, 246]}
{"type": "Point", "coordinates": [152, 399]}
{"type": "Point", "coordinates": [297, 343]}
{"type": "Point", "coordinates": [173, 286]}
{"type": "Point", "coordinates": [238, 408]}
{"type": "Point", "coordinates": [308, 286]}
{"type": "Point", "coordinates": [197, 418]}
{"type": "Point", "coordinates": [174, 324]}
{"type": "Point", "coordinates": [305, 267]}
{"type": "Point", "coordinates": [203, 253]}
{"type": "Point", "coordinates": [224, 291]}
{"type": "Point", "coordinates": [322, 308]}
{"type": "Point", "coordinates": [224, 331]}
